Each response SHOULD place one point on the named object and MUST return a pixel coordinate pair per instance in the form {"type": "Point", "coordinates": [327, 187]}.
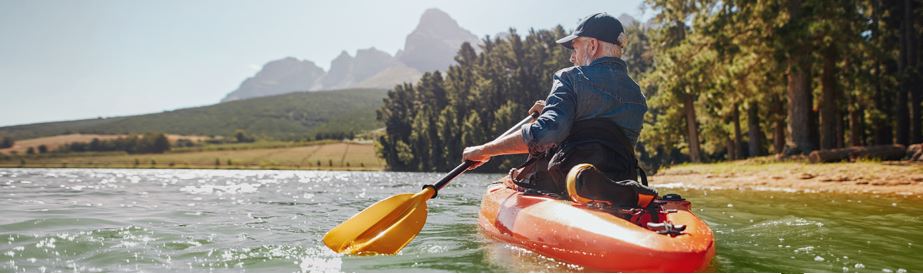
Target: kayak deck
{"type": "Point", "coordinates": [591, 238]}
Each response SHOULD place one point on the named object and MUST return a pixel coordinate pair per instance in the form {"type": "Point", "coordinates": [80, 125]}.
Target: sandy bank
{"type": "Point", "coordinates": [863, 177]}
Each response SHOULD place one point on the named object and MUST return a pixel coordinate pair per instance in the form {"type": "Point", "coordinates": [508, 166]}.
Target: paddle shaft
{"type": "Point", "coordinates": [390, 224]}
{"type": "Point", "coordinates": [464, 166]}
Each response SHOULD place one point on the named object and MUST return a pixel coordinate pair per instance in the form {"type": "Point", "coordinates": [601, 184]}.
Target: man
{"type": "Point", "coordinates": [593, 114]}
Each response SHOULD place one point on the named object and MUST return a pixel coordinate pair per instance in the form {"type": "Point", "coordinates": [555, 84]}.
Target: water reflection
{"type": "Point", "coordinates": [236, 221]}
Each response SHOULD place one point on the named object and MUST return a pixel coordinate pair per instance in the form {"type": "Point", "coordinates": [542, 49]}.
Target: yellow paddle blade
{"type": "Point", "coordinates": [383, 228]}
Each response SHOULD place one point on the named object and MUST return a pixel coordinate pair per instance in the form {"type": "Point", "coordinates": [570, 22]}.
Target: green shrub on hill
{"type": "Point", "coordinates": [6, 142]}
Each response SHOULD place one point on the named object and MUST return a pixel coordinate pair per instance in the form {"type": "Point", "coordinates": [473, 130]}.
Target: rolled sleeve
{"type": "Point", "coordinates": [553, 125]}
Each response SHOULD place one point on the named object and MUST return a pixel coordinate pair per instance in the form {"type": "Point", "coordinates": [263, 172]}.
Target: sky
{"type": "Point", "coordinates": [80, 59]}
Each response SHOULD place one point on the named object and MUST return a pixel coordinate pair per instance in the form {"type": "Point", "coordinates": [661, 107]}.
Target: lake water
{"type": "Point", "coordinates": [63, 220]}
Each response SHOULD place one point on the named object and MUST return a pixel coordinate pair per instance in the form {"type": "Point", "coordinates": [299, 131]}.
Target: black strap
{"type": "Point", "coordinates": [527, 191]}
{"type": "Point", "coordinates": [531, 160]}
{"type": "Point", "coordinates": [654, 211]}
{"type": "Point", "coordinates": [643, 175]}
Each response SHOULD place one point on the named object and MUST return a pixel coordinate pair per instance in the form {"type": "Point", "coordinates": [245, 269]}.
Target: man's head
{"type": "Point", "coordinates": [596, 36]}
{"type": "Point", "coordinates": [586, 49]}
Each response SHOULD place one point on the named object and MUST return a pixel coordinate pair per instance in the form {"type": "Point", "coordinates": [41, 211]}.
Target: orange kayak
{"type": "Point", "coordinates": [596, 239]}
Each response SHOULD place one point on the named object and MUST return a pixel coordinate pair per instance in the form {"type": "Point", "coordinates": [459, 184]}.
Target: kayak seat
{"type": "Point", "coordinates": [586, 185]}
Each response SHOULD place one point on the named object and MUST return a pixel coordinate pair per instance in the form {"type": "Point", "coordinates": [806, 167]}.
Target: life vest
{"type": "Point", "coordinates": [600, 143]}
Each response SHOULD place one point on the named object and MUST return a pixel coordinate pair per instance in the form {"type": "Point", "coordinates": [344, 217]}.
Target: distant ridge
{"type": "Point", "coordinates": [279, 77]}
{"type": "Point", "coordinates": [432, 45]}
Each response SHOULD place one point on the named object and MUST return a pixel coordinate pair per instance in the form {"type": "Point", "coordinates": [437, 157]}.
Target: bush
{"type": "Point", "coordinates": [242, 137]}
{"type": "Point", "coordinates": [184, 143]}
{"type": "Point", "coordinates": [334, 136]}
{"type": "Point", "coordinates": [217, 140]}
{"type": "Point", "coordinates": [6, 142]}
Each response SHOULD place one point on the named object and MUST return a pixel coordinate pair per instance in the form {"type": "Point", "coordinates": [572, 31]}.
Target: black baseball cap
{"type": "Point", "coordinates": [601, 26]}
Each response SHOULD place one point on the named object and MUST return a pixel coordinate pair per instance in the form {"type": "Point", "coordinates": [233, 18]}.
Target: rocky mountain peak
{"type": "Point", "coordinates": [277, 77]}
{"type": "Point", "coordinates": [435, 19]}
{"type": "Point", "coordinates": [431, 46]}
{"type": "Point", "coordinates": [434, 42]}
{"type": "Point", "coordinates": [346, 71]}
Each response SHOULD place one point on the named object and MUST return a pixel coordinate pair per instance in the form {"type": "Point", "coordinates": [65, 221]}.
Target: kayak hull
{"type": "Point", "coordinates": [594, 239]}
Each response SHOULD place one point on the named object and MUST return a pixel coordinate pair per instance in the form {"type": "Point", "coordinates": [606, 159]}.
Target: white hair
{"type": "Point", "coordinates": [615, 50]}
{"type": "Point", "coordinates": [610, 49]}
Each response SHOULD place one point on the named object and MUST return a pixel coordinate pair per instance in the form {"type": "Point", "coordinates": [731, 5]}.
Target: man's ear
{"type": "Point", "coordinates": [594, 45]}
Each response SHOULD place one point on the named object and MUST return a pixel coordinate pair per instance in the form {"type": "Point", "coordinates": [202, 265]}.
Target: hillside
{"type": "Point", "coordinates": [290, 116]}
{"type": "Point", "coordinates": [312, 155]}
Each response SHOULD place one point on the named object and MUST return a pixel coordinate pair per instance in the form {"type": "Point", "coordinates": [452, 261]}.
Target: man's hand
{"type": "Point", "coordinates": [537, 108]}
{"type": "Point", "coordinates": [475, 154]}
{"type": "Point", "coordinates": [512, 176]}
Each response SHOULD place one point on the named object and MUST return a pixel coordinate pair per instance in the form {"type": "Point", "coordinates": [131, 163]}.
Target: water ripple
{"type": "Point", "coordinates": [111, 220]}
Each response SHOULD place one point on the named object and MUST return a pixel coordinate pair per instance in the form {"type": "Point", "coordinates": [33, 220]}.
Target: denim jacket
{"type": "Point", "coordinates": [601, 90]}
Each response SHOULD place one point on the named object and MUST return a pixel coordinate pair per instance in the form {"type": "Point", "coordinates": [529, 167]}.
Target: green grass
{"type": "Point", "coordinates": [322, 155]}
{"type": "Point", "coordinates": [294, 116]}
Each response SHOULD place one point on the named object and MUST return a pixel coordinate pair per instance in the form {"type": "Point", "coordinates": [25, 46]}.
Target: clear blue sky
{"type": "Point", "coordinates": [77, 59]}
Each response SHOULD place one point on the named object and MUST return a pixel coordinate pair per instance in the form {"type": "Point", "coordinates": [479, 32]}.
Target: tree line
{"type": "Point", "coordinates": [724, 80]}
{"type": "Point", "coordinates": [803, 75]}
{"type": "Point", "coordinates": [427, 124]}
{"type": "Point", "coordinates": [134, 144]}
{"type": "Point", "coordinates": [335, 135]}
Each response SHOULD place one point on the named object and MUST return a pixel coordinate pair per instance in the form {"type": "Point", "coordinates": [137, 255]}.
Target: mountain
{"type": "Point", "coordinates": [434, 42]}
{"type": "Point", "coordinates": [292, 116]}
{"type": "Point", "coordinates": [432, 45]}
{"type": "Point", "coordinates": [387, 78]}
{"type": "Point", "coordinates": [627, 20]}
{"type": "Point", "coordinates": [278, 77]}
{"type": "Point", "coordinates": [347, 71]}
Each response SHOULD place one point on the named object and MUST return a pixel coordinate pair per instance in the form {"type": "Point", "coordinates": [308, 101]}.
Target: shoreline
{"type": "Point", "coordinates": [900, 178]}
{"type": "Point", "coordinates": [184, 167]}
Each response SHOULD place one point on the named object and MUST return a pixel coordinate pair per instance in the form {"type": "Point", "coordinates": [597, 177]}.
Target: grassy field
{"type": "Point", "coordinates": [321, 155]}
{"type": "Point", "coordinates": [54, 142]}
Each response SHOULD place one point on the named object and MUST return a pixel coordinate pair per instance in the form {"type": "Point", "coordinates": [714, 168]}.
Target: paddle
{"type": "Point", "coordinates": [390, 224]}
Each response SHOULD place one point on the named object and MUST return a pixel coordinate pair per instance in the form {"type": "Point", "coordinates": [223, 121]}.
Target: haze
{"type": "Point", "coordinates": [67, 60]}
